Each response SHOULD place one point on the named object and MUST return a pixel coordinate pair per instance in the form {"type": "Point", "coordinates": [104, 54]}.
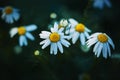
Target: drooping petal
{"type": "Point", "coordinates": [91, 41]}
{"type": "Point", "coordinates": [51, 48]}
{"type": "Point", "coordinates": [100, 49]}
{"type": "Point", "coordinates": [111, 42]}
{"type": "Point", "coordinates": [82, 39]}
{"type": "Point", "coordinates": [55, 48]}
{"type": "Point", "coordinates": [29, 36]}
{"type": "Point", "coordinates": [23, 41]}
{"type": "Point", "coordinates": [60, 47]}
{"type": "Point", "coordinates": [87, 35]}
{"type": "Point", "coordinates": [108, 49]}
{"type": "Point", "coordinates": [104, 51]}
{"type": "Point", "coordinates": [96, 46]}
{"type": "Point", "coordinates": [75, 37]}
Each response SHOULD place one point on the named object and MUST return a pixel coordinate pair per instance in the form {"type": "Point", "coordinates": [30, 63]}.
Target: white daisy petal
{"type": "Point", "coordinates": [44, 41]}
{"type": "Point", "coordinates": [16, 16]}
{"type": "Point", "coordinates": [67, 37]}
{"type": "Point", "coordinates": [55, 27]}
{"type": "Point", "coordinates": [94, 35]}
{"type": "Point", "coordinates": [60, 47]}
{"type": "Point", "coordinates": [100, 49]}
{"type": "Point", "coordinates": [51, 48]}
{"type": "Point", "coordinates": [108, 48]}
{"type": "Point", "coordinates": [91, 42]}
{"type": "Point", "coordinates": [104, 50]}
{"type": "Point", "coordinates": [60, 30]}
{"type": "Point", "coordinates": [44, 34]}
{"type": "Point", "coordinates": [31, 27]}
{"type": "Point", "coordinates": [86, 34]}
{"type": "Point", "coordinates": [13, 32]}
{"type": "Point", "coordinates": [46, 44]}
{"type": "Point", "coordinates": [87, 30]}
{"type": "Point", "coordinates": [111, 42]}
{"type": "Point", "coordinates": [75, 37]}
{"type": "Point", "coordinates": [55, 48]}
{"type": "Point", "coordinates": [9, 19]}
{"type": "Point", "coordinates": [29, 36]}
{"type": "Point", "coordinates": [73, 21]}
{"type": "Point", "coordinates": [96, 46]}
{"type": "Point", "coordinates": [72, 30]}
{"type": "Point", "coordinates": [22, 41]}
{"type": "Point", "coordinates": [65, 43]}
{"type": "Point", "coordinates": [82, 39]}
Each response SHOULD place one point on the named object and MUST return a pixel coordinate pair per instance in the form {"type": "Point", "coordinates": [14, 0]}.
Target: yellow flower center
{"type": "Point", "coordinates": [8, 10]}
{"type": "Point", "coordinates": [21, 30]}
{"type": "Point", "coordinates": [80, 27]}
{"type": "Point", "coordinates": [54, 37]}
{"type": "Point", "coordinates": [102, 38]}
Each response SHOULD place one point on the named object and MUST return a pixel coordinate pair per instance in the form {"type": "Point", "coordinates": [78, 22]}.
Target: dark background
{"type": "Point", "coordinates": [74, 64]}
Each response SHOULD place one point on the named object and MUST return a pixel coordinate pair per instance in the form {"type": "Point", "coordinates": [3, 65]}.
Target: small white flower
{"type": "Point", "coordinates": [55, 39]}
{"type": "Point", "coordinates": [101, 3]}
{"type": "Point", "coordinates": [63, 23]}
{"type": "Point", "coordinates": [78, 31]}
{"type": "Point", "coordinates": [10, 14]}
{"type": "Point", "coordinates": [24, 32]}
{"type": "Point", "coordinates": [101, 41]}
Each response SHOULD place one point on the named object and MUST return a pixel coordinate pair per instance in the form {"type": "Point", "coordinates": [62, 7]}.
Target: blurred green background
{"type": "Point", "coordinates": [20, 63]}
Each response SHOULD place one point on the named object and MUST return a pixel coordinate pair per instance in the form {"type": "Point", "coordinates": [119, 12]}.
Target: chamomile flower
{"type": "Point", "coordinates": [55, 39]}
{"type": "Point", "coordinates": [65, 24]}
{"type": "Point", "coordinates": [102, 44]}
{"type": "Point", "coordinates": [101, 3]}
{"type": "Point", "coordinates": [10, 14]}
{"type": "Point", "coordinates": [78, 31]}
{"type": "Point", "coordinates": [23, 32]}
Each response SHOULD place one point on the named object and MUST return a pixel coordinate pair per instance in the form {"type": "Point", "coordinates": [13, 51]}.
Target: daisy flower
{"type": "Point", "coordinates": [102, 44]}
{"type": "Point", "coordinates": [78, 31]}
{"type": "Point", "coordinates": [101, 3]}
{"type": "Point", "coordinates": [55, 39]}
{"type": "Point", "coordinates": [23, 32]}
{"type": "Point", "coordinates": [10, 14]}
{"type": "Point", "coordinates": [65, 24]}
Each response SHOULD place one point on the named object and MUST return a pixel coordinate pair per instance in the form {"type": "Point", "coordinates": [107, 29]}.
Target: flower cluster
{"type": "Point", "coordinates": [75, 31]}
{"type": "Point", "coordinates": [61, 32]}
